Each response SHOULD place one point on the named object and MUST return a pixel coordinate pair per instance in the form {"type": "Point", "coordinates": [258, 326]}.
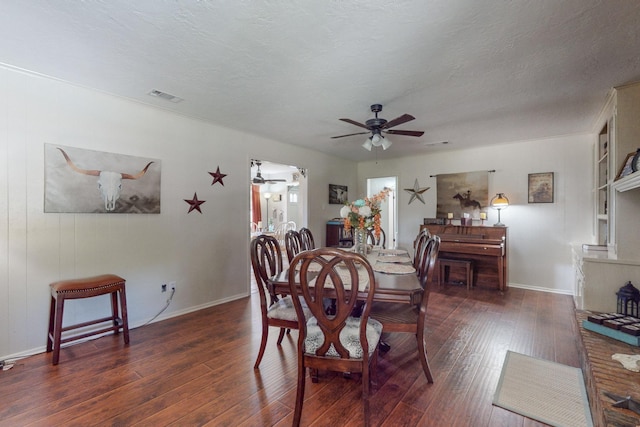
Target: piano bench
{"type": "Point", "coordinates": [445, 269]}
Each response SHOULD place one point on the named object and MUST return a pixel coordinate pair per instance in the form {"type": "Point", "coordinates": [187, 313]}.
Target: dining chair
{"type": "Point", "coordinates": [293, 244]}
{"type": "Point", "coordinates": [399, 317]}
{"type": "Point", "coordinates": [418, 246]}
{"type": "Point", "coordinates": [266, 260]}
{"type": "Point", "coordinates": [281, 231]}
{"type": "Point", "coordinates": [307, 239]}
{"type": "Point", "coordinates": [337, 342]}
{"type": "Point", "coordinates": [376, 241]}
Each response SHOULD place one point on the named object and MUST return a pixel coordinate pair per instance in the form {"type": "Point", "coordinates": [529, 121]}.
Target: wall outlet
{"type": "Point", "coordinates": [172, 285]}
{"type": "Point", "coordinates": [164, 287]}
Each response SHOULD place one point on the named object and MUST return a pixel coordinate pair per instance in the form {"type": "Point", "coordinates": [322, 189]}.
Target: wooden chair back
{"type": "Point", "coordinates": [266, 261]}
{"type": "Point", "coordinates": [293, 244]}
{"type": "Point", "coordinates": [307, 239]}
{"type": "Point", "coordinates": [428, 261]}
{"type": "Point", "coordinates": [380, 240]}
{"type": "Point", "coordinates": [418, 246]}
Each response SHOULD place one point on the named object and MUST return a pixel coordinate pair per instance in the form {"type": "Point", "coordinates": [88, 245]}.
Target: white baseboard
{"type": "Point", "coordinates": [541, 289]}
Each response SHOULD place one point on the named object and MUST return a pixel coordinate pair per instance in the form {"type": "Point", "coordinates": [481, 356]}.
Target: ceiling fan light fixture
{"type": "Point", "coordinates": [378, 125]}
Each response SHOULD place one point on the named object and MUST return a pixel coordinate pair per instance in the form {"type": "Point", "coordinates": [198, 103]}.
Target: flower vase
{"type": "Point", "coordinates": [360, 240]}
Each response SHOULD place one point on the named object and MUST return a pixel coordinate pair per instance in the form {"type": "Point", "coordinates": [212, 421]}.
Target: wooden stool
{"type": "Point", "coordinates": [447, 264]}
{"type": "Point", "coordinates": [85, 288]}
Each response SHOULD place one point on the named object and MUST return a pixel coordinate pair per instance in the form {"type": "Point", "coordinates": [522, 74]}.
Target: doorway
{"type": "Point", "coordinates": [277, 201]}
{"type": "Point", "coordinates": [388, 208]}
{"type": "Point", "coordinates": [278, 193]}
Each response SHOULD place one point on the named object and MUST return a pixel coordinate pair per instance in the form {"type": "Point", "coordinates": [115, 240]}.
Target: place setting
{"type": "Point", "coordinates": [393, 252]}
{"type": "Point", "coordinates": [394, 259]}
{"type": "Point", "coordinates": [393, 268]}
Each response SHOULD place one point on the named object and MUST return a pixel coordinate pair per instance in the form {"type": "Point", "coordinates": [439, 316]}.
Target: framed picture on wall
{"type": "Point", "coordinates": [337, 194]}
{"type": "Point", "coordinates": [78, 180]}
{"type": "Point", "coordinates": [541, 187]}
{"type": "Point", "coordinates": [627, 167]}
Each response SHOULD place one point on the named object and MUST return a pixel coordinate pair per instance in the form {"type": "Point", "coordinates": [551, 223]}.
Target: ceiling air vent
{"type": "Point", "coordinates": [166, 96]}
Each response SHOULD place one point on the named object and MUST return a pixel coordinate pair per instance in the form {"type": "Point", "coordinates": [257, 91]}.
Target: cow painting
{"type": "Point", "coordinates": [80, 180]}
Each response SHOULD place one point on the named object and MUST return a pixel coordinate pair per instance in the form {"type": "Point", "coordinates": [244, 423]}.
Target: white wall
{"type": "Point", "coordinates": [206, 254]}
{"type": "Point", "coordinates": [539, 234]}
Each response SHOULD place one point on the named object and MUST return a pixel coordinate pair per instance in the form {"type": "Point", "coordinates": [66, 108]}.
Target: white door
{"type": "Point", "coordinates": [389, 208]}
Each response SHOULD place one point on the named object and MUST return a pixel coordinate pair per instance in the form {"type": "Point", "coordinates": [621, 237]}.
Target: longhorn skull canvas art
{"type": "Point", "coordinates": [79, 180]}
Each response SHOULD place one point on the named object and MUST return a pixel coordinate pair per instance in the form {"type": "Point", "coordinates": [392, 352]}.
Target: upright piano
{"type": "Point", "coordinates": [486, 246]}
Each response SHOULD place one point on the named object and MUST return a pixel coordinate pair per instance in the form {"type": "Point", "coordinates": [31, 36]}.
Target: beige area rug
{"type": "Point", "coordinates": [544, 391]}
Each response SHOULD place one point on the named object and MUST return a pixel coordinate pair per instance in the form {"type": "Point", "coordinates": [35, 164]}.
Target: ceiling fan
{"type": "Point", "coordinates": [378, 125]}
{"type": "Point", "coordinates": [258, 179]}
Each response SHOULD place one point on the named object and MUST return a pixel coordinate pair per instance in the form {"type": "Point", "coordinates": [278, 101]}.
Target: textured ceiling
{"type": "Point", "coordinates": [471, 72]}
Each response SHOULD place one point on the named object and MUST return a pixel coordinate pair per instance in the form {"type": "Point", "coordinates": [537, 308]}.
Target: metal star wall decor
{"type": "Point", "coordinates": [416, 192]}
{"type": "Point", "coordinates": [194, 204]}
{"type": "Point", "coordinates": [217, 176]}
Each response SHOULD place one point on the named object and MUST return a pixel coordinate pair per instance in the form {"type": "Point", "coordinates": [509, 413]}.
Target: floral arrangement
{"type": "Point", "coordinates": [364, 213]}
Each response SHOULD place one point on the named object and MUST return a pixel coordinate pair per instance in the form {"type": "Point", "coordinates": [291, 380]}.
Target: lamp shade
{"type": "Point", "coordinates": [499, 201]}
{"type": "Point", "coordinates": [267, 195]}
{"type": "Point", "coordinates": [376, 140]}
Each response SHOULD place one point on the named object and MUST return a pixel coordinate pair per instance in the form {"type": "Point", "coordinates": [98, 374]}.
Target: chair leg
{"type": "Point", "coordinates": [313, 373]}
{"type": "Point", "coordinates": [263, 343]}
{"type": "Point", "coordinates": [297, 413]}
{"type": "Point", "coordinates": [365, 392]}
{"type": "Point", "coordinates": [373, 370]}
{"type": "Point", "coordinates": [365, 407]}
{"type": "Point", "coordinates": [281, 336]}
{"type": "Point", "coordinates": [114, 311]}
{"type": "Point", "coordinates": [124, 315]}
{"type": "Point", "coordinates": [52, 316]}
{"type": "Point", "coordinates": [57, 328]}
{"type": "Point", "coordinates": [422, 353]}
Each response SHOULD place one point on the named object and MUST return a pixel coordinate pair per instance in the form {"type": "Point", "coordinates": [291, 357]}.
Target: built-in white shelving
{"type": "Point", "coordinates": [600, 273]}
{"type": "Point", "coordinates": [629, 182]}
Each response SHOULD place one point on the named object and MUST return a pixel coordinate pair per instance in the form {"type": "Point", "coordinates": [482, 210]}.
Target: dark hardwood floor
{"type": "Point", "coordinates": [197, 370]}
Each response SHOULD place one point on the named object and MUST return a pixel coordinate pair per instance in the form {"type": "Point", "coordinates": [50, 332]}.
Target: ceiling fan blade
{"type": "Point", "coordinates": [350, 134]}
{"type": "Point", "coordinates": [275, 180]}
{"type": "Point", "coordinates": [353, 122]}
{"type": "Point", "coordinates": [405, 132]}
{"type": "Point", "coordinates": [398, 121]}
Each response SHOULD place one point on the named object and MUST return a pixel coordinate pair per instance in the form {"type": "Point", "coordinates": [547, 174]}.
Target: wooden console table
{"type": "Point", "coordinates": [336, 236]}
{"type": "Point", "coordinates": [601, 373]}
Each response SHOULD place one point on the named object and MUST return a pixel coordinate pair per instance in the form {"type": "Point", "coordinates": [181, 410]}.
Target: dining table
{"type": "Point", "coordinates": [396, 280]}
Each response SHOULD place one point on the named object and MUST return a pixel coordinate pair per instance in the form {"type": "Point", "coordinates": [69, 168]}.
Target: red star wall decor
{"type": "Point", "coordinates": [194, 203]}
{"type": "Point", "coordinates": [217, 176]}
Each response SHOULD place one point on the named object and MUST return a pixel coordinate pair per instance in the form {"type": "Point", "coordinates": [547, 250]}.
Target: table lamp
{"type": "Point", "coordinates": [499, 202]}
